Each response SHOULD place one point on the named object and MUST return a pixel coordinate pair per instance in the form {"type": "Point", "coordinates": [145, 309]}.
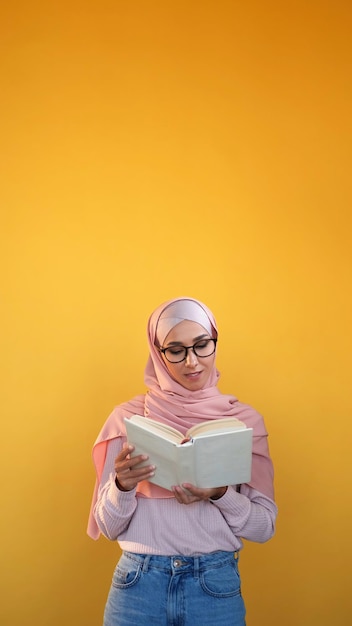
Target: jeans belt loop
{"type": "Point", "coordinates": [196, 566]}
{"type": "Point", "coordinates": [146, 563]}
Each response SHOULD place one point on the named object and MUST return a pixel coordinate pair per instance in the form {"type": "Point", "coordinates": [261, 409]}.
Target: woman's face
{"type": "Point", "coordinates": [193, 372]}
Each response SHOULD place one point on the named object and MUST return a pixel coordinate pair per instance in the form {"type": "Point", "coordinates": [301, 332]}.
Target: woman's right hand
{"type": "Point", "coordinates": [128, 474]}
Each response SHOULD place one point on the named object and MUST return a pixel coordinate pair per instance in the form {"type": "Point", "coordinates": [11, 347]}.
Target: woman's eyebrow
{"type": "Point", "coordinates": [179, 343]}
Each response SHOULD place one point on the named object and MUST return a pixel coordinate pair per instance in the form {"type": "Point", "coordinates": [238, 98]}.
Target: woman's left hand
{"type": "Point", "coordinates": [187, 493]}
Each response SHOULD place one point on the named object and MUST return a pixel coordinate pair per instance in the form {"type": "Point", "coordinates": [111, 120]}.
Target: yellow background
{"type": "Point", "coordinates": [156, 149]}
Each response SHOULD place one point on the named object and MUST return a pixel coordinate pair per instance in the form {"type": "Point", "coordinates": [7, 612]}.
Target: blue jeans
{"type": "Point", "coordinates": [152, 590]}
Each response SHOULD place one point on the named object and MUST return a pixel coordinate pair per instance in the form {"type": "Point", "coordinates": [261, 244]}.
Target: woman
{"type": "Point", "coordinates": [179, 564]}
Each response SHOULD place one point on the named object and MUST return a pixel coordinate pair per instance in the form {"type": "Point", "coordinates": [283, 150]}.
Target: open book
{"type": "Point", "coordinates": [218, 454]}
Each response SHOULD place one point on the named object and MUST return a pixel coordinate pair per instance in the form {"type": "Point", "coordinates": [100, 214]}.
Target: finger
{"type": "Point", "coordinates": [124, 458]}
{"type": "Point", "coordinates": [126, 450]}
{"type": "Point", "coordinates": [130, 471]}
{"type": "Point", "coordinates": [129, 479]}
{"type": "Point", "coordinates": [123, 455]}
{"type": "Point", "coordinates": [182, 496]}
{"type": "Point", "coordinates": [136, 466]}
{"type": "Point", "coordinates": [139, 460]}
{"type": "Point", "coordinates": [191, 490]}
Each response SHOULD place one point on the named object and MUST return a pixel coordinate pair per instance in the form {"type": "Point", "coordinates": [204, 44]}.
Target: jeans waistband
{"type": "Point", "coordinates": [180, 562]}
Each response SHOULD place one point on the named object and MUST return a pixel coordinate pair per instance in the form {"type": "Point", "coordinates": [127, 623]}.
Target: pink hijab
{"type": "Point", "coordinates": [169, 402]}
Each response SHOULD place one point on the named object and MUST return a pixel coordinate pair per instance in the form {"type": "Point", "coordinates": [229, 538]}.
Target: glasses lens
{"type": "Point", "coordinates": [204, 348]}
{"type": "Point", "coordinates": [176, 354]}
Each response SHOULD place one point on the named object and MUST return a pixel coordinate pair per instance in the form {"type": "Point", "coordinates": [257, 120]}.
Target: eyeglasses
{"type": "Point", "coordinates": [202, 349]}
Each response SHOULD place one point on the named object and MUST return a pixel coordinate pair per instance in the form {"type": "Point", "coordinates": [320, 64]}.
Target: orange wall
{"type": "Point", "coordinates": [153, 149]}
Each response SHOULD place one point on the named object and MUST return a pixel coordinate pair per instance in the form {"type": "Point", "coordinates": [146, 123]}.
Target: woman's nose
{"type": "Point", "coordinates": [191, 358]}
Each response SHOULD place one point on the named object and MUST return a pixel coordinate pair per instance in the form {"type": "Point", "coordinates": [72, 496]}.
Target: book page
{"type": "Point", "coordinates": [163, 430]}
{"type": "Point", "coordinates": [221, 425]}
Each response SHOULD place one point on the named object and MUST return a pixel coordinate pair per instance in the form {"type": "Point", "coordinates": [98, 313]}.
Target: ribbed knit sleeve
{"type": "Point", "coordinates": [249, 514]}
{"type": "Point", "coordinates": [114, 509]}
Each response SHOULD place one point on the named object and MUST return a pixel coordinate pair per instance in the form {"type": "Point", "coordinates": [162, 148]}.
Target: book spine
{"type": "Point", "coordinates": [185, 465]}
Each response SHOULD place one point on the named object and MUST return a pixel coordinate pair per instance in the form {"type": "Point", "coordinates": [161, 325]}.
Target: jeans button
{"type": "Point", "coordinates": [177, 562]}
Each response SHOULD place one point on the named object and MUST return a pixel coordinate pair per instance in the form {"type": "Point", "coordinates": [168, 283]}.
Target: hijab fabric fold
{"type": "Point", "coordinates": [169, 402]}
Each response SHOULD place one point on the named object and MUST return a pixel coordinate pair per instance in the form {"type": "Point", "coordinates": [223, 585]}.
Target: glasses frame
{"type": "Point", "coordinates": [213, 339]}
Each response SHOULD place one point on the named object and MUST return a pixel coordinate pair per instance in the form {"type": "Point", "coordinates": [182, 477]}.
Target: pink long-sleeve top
{"type": "Point", "coordinates": [164, 526]}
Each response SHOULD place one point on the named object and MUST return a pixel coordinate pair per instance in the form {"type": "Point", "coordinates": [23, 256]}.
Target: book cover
{"type": "Point", "coordinates": [219, 452]}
